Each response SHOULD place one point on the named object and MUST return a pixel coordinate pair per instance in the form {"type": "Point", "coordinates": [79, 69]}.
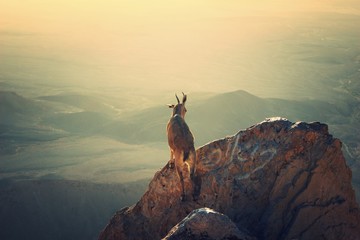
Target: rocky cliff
{"type": "Point", "coordinates": [274, 180]}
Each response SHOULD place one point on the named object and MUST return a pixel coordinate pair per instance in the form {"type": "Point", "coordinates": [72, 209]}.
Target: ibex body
{"type": "Point", "coordinates": [181, 143]}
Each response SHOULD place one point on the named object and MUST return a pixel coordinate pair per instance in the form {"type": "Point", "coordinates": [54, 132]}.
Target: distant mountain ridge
{"type": "Point", "coordinates": [274, 180]}
{"type": "Point", "coordinates": [17, 110]}
{"type": "Point", "coordinates": [209, 118]}
{"type": "Point", "coordinates": [223, 114]}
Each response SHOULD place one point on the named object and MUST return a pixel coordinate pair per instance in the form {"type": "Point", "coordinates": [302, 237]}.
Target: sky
{"type": "Point", "coordinates": [149, 45]}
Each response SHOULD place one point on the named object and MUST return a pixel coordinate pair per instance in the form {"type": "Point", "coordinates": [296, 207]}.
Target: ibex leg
{"type": "Point", "coordinates": [179, 164]}
{"type": "Point", "coordinates": [180, 173]}
{"type": "Point", "coordinates": [195, 179]}
{"type": "Point", "coordinates": [192, 163]}
{"type": "Point", "coordinates": [172, 160]}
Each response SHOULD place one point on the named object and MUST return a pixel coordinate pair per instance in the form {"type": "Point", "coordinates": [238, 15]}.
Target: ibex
{"type": "Point", "coordinates": [181, 143]}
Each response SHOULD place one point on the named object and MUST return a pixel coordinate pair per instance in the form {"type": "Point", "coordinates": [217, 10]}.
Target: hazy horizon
{"type": "Point", "coordinates": [263, 47]}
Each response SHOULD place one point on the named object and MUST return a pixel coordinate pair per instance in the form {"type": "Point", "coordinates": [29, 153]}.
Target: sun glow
{"type": "Point", "coordinates": [171, 44]}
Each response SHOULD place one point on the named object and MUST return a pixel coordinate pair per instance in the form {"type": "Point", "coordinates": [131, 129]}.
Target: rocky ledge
{"type": "Point", "coordinates": [274, 180]}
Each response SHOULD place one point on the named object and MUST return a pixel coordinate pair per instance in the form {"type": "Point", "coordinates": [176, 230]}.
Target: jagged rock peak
{"type": "Point", "coordinates": [206, 224]}
{"type": "Point", "coordinates": [274, 180]}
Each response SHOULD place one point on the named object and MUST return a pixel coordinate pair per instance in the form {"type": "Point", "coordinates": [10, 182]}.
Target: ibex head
{"type": "Point", "coordinates": [179, 108]}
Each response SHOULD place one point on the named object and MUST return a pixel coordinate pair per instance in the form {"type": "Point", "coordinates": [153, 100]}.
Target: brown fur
{"type": "Point", "coordinates": [181, 143]}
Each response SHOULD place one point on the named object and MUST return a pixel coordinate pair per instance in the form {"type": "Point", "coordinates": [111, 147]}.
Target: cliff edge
{"type": "Point", "coordinates": [274, 180]}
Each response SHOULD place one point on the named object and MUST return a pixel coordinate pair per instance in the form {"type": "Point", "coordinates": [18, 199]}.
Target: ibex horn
{"type": "Point", "coordinates": [177, 98]}
{"type": "Point", "coordinates": [184, 97]}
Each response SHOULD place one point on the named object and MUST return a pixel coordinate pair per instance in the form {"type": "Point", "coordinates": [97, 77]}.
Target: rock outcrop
{"type": "Point", "coordinates": [275, 180]}
{"type": "Point", "coordinates": [205, 223]}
